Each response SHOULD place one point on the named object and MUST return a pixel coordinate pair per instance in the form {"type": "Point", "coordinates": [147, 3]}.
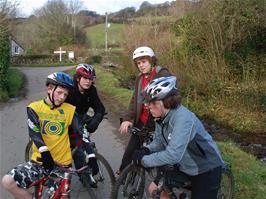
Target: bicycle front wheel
{"type": "Point", "coordinates": [130, 183]}
{"type": "Point", "coordinates": [227, 185]}
{"type": "Point", "coordinates": [105, 182]}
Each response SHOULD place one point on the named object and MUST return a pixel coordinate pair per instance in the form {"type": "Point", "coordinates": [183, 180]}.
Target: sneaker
{"type": "Point", "coordinates": [93, 182]}
{"type": "Point", "coordinates": [98, 177]}
{"type": "Point", "coordinates": [90, 180]}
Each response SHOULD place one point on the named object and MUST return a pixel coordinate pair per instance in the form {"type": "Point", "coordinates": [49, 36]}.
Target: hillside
{"type": "Point", "coordinates": [96, 35]}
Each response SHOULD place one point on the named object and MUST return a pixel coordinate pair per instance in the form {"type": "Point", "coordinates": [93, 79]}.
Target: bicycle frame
{"type": "Point", "coordinates": [185, 188]}
{"type": "Point", "coordinates": [128, 187]}
{"type": "Point", "coordinates": [63, 190]}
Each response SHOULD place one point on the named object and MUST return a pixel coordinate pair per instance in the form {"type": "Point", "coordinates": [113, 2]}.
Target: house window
{"type": "Point", "coordinates": [16, 50]}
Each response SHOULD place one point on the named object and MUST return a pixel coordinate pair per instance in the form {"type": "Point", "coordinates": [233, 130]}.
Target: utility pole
{"type": "Point", "coordinates": [106, 24]}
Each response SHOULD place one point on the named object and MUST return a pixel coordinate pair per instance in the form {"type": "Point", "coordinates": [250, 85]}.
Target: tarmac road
{"type": "Point", "coordinates": [13, 128]}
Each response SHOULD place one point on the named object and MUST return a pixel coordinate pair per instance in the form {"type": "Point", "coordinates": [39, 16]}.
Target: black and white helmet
{"type": "Point", "coordinates": [160, 88]}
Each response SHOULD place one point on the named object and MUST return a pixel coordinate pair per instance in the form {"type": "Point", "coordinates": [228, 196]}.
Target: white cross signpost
{"type": "Point", "coordinates": [60, 53]}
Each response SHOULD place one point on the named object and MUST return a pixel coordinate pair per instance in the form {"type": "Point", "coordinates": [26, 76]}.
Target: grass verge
{"type": "Point", "coordinates": [15, 81]}
{"type": "Point", "coordinates": [249, 173]}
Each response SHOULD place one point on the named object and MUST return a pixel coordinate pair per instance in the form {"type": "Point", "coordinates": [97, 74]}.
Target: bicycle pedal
{"type": "Point", "coordinates": [98, 178]}
{"type": "Point", "coordinates": [93, 185]}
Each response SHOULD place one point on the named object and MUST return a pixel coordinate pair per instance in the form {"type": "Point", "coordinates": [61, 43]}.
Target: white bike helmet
{"type": "Point", "coordinates": [143, 51]}
{"type": "Point", "coordinates": [160, 88]}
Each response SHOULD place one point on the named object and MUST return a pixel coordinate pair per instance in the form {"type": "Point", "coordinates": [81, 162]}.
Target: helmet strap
{"type": "Point", "coordinates": [163, 110]}
{"type": "Point", "coordinates": [52, 99]}
{"type": "Point", "coordinates": [149, 73]}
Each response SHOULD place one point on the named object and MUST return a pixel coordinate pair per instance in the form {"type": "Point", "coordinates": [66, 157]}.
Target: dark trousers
{"type": "Point", "coordinates": [79, 158]}
{"type": "Point", "coordinates": [206, 185]}
{"type": "Point", "coordinates": [133, 144]}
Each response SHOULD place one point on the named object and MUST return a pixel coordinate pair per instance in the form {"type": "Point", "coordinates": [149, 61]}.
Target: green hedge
{"type": "Point", "coordinates": [38, 59]}
{"type": "Point", "coordinates": [4, 63]}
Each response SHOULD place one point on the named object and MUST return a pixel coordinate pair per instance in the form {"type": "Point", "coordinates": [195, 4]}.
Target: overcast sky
{"type": "Point", "coordinates": [27, 7]}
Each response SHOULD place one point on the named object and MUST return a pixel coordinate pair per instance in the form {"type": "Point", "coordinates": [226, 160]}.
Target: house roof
{"type": "Point", "coordinates": [12, 39]}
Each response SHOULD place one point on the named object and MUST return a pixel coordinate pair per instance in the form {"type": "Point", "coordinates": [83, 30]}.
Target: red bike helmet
{"type": "Point", "coordinates": [86, 70]}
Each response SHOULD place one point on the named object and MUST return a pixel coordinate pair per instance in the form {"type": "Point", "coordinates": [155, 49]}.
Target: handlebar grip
{"type": "Point", "coordinates": [134, 130]}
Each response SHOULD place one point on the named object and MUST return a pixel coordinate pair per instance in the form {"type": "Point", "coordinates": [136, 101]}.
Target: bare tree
{"type": "Point", "coordinates": [74, 7]}
{"type": "Point", "coordinates": [8, 11]}
{"type": "Point", "coordinates": [51, 22]}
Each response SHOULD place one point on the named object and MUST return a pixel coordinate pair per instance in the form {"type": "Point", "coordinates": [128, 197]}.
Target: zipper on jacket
{"type": "Point", "coordinates": [163, 134]}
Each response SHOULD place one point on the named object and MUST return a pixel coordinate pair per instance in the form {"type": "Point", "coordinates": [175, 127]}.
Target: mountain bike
{"type": "Point", "coordinates": [133, 177]}
{"type": "Point", "coordinates": [131, 182]}
{"type": "Point", "coordinates": [57, 185]}
{"type": "Point", "coordinates": [105, 178]}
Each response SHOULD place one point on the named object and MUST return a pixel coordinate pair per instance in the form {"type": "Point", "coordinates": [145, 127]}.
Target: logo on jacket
{"type": "Point", "coordinates": [61, 111]}
{"type": "Point", "coordinates": [53, 128]}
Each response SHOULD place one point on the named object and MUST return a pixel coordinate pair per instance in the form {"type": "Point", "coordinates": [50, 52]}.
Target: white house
{"type": "Point", "coordinates": [16, 48]}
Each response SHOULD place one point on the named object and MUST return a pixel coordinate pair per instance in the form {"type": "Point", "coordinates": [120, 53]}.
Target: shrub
{"type": "Point", "coordinates": [4, 62]}
{"type": "Point", "coordinates": [94, 59]}
{"type": "Point", "coordinates": [216, 50]}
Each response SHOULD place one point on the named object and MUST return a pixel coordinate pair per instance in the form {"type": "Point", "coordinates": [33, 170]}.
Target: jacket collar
{"type": "Point", "coordinates": [168, 116]}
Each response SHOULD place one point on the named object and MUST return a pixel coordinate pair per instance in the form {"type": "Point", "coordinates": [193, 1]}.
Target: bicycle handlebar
{"type": "Point", "coordinates": [144, 134]}
{"type": "Point", "coordinates": [63, 168]}
{"type": "Point", "coordinates": [134, 130]}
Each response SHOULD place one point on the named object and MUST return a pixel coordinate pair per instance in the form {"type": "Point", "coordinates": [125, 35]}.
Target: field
{"type": "Point", "coordinates": [96, 35]}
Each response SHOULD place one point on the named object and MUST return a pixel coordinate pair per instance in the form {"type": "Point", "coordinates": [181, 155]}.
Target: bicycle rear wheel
{"type": "Point", "coordinates": [28, 151]}
{"type": "Point", "coordinates": [105, 182]}
{"type": "Point", "coordinates": [130, 183]}
{"type": "Point", "coordinates": [227, 185]}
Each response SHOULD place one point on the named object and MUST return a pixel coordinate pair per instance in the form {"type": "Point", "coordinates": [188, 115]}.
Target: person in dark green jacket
{"type": "Point", "coordinates": [137, 114]}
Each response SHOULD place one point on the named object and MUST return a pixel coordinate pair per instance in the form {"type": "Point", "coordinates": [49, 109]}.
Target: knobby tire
{"type": "Point", "coordinates": [130, 184]}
